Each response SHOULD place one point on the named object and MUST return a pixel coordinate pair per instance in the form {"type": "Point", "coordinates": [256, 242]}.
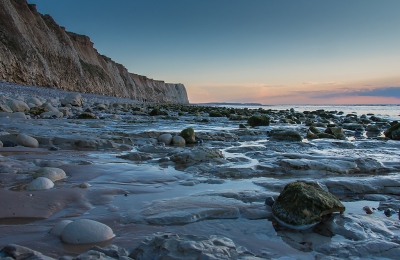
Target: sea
{"type": "Point", "coordinates": [391, 112]}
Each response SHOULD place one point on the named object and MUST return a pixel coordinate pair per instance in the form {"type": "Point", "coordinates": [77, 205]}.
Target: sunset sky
{"type": "Point", "coordinates": [265, 51]}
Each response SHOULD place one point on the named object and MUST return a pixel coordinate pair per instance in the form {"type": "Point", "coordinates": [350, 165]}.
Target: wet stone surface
{"type": "Point", "coordinates": [209, 197]}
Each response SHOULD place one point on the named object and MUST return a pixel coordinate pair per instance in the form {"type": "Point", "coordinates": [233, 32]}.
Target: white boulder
{"type": "Point", "coordinates": [27, 141]}
{"type": "Point", "coordinates": [83, 231]}
{"type": "Point", "coordinates": [74, 99]}
{"type": "Point", "coordinates": [59, 227]}
{"type": "Point", "coordinates": [18, 106]}
{"type": "Point", "coordinates": [165, 138]}
{"type": "Point", "coordinates": [178, 140]}
{"type": "Point", "coordinates": [40, 183]}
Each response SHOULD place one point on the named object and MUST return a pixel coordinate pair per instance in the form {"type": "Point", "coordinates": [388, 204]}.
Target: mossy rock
{"type": "Point", "coordinates": [393, 129]}
{"type": "Point", "coordinates": [86, 115]}
{"type": "Point", "coordinates": [188, 135]}
{"type": "Point", "coordinates": [286, 135]}
{"type": "Point", "coordinates": [38, 110]}
{"type": "Point", "coordinates": [258, 121]}
{"type": "Point", "coordinates": [302, 205]}
{"type": "Point", "coordinates": [216, 114]}
{"type": "Point", "coordinates": [314, 130]}
{"type": "Point", "coordinates": [158, 112]}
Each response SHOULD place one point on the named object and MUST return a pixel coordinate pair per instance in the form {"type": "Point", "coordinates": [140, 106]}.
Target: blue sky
{"type": "Point", "coordinates": [267, 51]}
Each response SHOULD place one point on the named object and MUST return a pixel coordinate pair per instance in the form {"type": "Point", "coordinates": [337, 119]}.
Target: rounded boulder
{"type": "Point", "coordinates": [84, 231]}
{"type": "Point", "coordinates": [165, 138]}
{"type": "Point", "coordinates": [51, 173]}
{"type": "Point", "coordinates": [40, 183]}
{"type": "Point", "coordinates": [178, 140]}
{"type": "Point", "coordinates": [27, 141]}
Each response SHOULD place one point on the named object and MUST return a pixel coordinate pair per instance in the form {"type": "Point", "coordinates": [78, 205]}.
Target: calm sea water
{"type": "Point", "coordinates": [385, 111]}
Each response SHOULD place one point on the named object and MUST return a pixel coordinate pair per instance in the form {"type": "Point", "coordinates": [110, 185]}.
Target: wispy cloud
{"type": "Point", "coordinates": [311, 83]}
{"type": "Point", "coordinates": [377, 92]}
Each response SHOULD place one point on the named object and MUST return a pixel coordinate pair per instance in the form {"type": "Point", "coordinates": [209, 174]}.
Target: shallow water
{"type": "Point", "coordinates": [253, 168]}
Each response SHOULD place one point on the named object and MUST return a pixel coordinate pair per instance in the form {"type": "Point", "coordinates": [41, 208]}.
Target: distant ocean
{"type": "Point", "coordinates": [385, 111]}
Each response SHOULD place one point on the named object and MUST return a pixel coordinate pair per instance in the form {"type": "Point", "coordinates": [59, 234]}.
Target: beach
{"type": "Point", "coordinates": [205, 197]}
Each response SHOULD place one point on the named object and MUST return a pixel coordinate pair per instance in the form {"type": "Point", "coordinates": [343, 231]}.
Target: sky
{"type": "Point", "coordinates": [262, 51]}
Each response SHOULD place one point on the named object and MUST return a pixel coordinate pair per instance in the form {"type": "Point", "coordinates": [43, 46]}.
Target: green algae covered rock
{"type": "Point", "coordinates": [188, 135]}
{"type": "Point", "coordinates": [302, 205]}
{"type": "Point", "coordinates": [258, 121]}
{"type": "Point", "coordinates": [393, 129]}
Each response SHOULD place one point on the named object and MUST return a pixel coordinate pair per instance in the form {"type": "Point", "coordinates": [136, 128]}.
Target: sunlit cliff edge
{"type": "Point", "coordinates": [35, 50]}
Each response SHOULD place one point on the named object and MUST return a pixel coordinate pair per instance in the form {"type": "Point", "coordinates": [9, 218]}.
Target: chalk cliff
{"type": "Point", "coordinates": [35, 50]}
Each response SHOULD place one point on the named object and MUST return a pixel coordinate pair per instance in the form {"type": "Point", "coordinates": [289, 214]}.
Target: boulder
{"type": "Point", "coordinates": [197, 154]}
{"type": "Point", "coordinates": [165, 138]}
{"type": "Point", "coordinates": [301, 205]}
{"type": "Point", "coordinates": [27, 141]}
{"type": "Point", "coordinates": [338, 132]}
{"type": "Point", "coordinates": [178, 140]}
{"type": "Point", "coordinates": [34, 100]}
{"type": "Point", "coordinates": [258, 121]}
{"type": "Point", "coordinates": [87, 115]}
{"type": "Point", "coordinates": [51, 173]}
{"type": "Point", "coordinates": [38, 110]}
{"type": "Point", "coordinates": [40, 183]}
{"type": "Point", "coordinates": [84, 231]}
{"type": "Point", "coordinates": [20, 115]}
{"type": "Point", "coordinates": [393, 130]}
{"type": "Point", "coordinates": [17, 252]}
{"type": "Point", "coordinates": [74, 99]}
{"type": "Point", "coordinates": [189, 135]}
{"type": "Point", "coordinates": [59, 227]}
{"type": "Point", "coordinates": [5, 108]}
{"type": "Point", "coordinates": [51, 115]}
{"type": "Point", "coordinates": [286, 135]}
{"type": "Point", "coordinates": [18, 106]}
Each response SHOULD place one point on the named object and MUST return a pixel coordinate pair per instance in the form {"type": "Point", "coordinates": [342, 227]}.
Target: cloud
{"type": "Point", "coordinates": [310, 83]}
{"type": "Point", "coordinates": [393, 92]}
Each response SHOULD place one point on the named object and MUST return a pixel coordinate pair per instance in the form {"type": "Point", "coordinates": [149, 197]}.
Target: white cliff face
{"type": "Point", "coordinates": [34, 50]}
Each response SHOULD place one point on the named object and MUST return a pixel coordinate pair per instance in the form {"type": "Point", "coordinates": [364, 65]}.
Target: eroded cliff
{"type": "Point", "coordinates": [35, 50]}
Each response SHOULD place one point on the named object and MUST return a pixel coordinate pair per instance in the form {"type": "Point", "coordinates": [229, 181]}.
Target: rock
{"type": "Point", "coordinates": [1, 144]}
{"type": "Point", "coordinates": [325, 135]}
{"type": "Point", "coordinates": [269, 201]}
{"type": "Point", "coordinates": [258, 121]}
{"type": "Point", "coordinates": [20, 115]}
{"type": "Point", "coordinates": [165, 138]}
{"type": "Point", "coordinates": [86, 144]}
{"type": "Point", "coordinates": [189, 135]}
{"type": "Point", "coordinates": [33, 100]}
{"type": "Point", "coordinates": [197, 154]}
{"type": "Point", "coordinates": [18, 106]}
{"type": "Point", "coordinates": [40, 183]}
{"type": "Point", "coordinates": [51, 115]}
{"type": "Point", "coordinates": [158, 112]}
{"type": "Point", "coordinates": [17, 252]}
{"type": "Point", "coordinates": [27, 141]}
{"type": "Point", "coordinates": [368, 209]}
{"type": "Point", "coordinates": [74, 99]}
{"type": "Point", "coordinates": [242, 126]}
{"type": "Point", "coordinates": [87, 115]}
{"type": "Point", "coordinates": [5, 108]}
{"type": "Point", "coordinates": [137, 156]}
{"type": "Point", "coordinates": [180, 246]}
{"type": "Point", "coordinates": [59, 227]}
{"type": "Point", "coordinates": [38, 110]}
{"type": "Point", "coordinates": [338, 132]}
{"type": "Point", "coordinates": [51, 173]}
{"type": "Point", "coordinates": [9, 144]}
{"type": "Point", "coordinates": [178, 140]}
{"type": "Point", "coordinates": [286, 135]}
{"type": "Point", "coordinates": [302, 205]}
{"type": "Point", "coordinates": [84, 231]}
{"type": "Point", "coordinates": [353, 126]}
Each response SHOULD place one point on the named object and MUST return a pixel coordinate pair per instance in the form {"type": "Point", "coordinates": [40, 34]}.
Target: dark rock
{"type": "Point", "coordinates": [9, 144]}
{"type": "Point", "coordinates": [38, 110]}
{"type": "Point", "coordinates": [86, 115]}
{"type": "Point", "coordinates": [189, 135]}
{"type": "Point", "coordinates": [158, 112]}
{"type": "Point", "coordinates": [302, 205]}
{"type": "Point", "coordinates": [258, 121]}
{"type": "Point", "coordinates": [269, 201]}
{"type": "Point", "coordinates": [286, 135]}
{"type": "Point", "coordinates": [21, 253]}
